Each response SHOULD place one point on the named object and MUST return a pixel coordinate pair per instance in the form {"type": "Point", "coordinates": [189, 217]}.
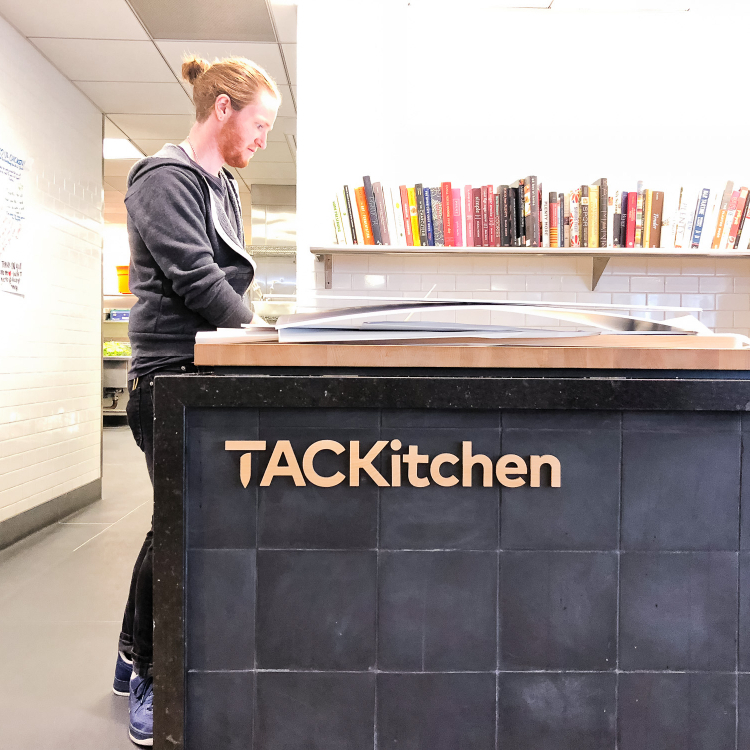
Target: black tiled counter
{"type": "Point", "coordinates": [609, 613]}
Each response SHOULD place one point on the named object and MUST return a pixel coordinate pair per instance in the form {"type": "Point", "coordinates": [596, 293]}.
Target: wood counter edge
{"type": "Point", "coordinates": [425, 356]}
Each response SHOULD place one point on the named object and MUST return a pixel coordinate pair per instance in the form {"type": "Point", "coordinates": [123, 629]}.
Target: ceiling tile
{"type": "Point", "coordinates": [111, 130]}
{"type": "Point", "coordinates": [118, 167]}
{"type": "Point", "coordinates": [273, 152]}
{"type": "Point", "coordinates": [113, 199]}
{"type": "Point", "coordinates": [116, 183]}
{"type": "Point", "coordinates": [275, 171]}
{"type": "Point", "coordinates": [80, 19]}
{"type": "Point", "coordinates": [283, 125]}
{"type": "Point", "coordinates": [267, 56]}
{"type": "Point", "coordinates": [105, 60]}
{"type": "Point", "coordinates": [285, 17]}
{"type": "Point", "coordinates": [231, 20]}
{"type": "Point", "coordinates": [172, 128]}
{"type": "Point", "coordinates": [150, 146]}
{"type": "Point", "coordinates": [290, 55]}
{"type": "Point", "coordinates": [287, 103]}
{"type": "Point", "coordinates": [138, 98]}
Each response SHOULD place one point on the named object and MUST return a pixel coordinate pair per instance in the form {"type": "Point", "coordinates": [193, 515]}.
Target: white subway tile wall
{"type": "Point", "coordinates": [50, 339]}
{"type": "Point", "coordinates": [723, 296]}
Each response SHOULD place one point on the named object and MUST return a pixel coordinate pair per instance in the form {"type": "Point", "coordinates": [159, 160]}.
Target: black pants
{"type": "Point", "coordinates": [137, 634]}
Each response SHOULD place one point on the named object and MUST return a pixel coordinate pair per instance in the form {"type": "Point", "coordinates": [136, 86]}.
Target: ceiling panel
{"type": "Point", "coordinates": [265, 55]}
{"type": "Point", "coordinates": [105, 60]}
{"type": "Point", "coordinates": [285, 17]}
{"type": "Point", "coordinates": [151, 146]}
{"type": "Point", "coordinates": [138, 98]}
{"type": "Point", "coordinates": [116, 183]}
{"type": "Point", "coordinates": [159, 127]}
{"type": "Point", "coordinates": [111, 130]}
{"type": "Point", "coordinates": [287, 103]}
{"type": "Point", "coordinates": [240, 20]}
{"type": "Point", "coordinates": [283, 125]}
{"type": "Point", "coordinates": [244, 187]}
{"type": "Point", "coordinates": [282, 172]}
{"type": "Point", "coordinates": [290, 55]}
{"type": "Point", "coordinates": [81, 19]}
{"type": "Point", "coordinates": [273, 152]}
{"type": "Point", "coordinates": [118, 167]}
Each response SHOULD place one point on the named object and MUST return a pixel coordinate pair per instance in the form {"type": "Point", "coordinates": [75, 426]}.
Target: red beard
{"type": "Point", "coordinates": [231, 148]}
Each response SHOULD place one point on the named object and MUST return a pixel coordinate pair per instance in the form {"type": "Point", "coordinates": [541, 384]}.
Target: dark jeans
{"type": "Point", "coordinates": [137, 635]}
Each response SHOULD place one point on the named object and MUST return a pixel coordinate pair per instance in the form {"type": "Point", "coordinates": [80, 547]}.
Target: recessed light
{"type": "Point", "coordinates": [120, 148]}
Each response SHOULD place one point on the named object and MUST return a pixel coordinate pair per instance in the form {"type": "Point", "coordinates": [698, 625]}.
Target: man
{"type": "Point", "coordinates": [189, 271]}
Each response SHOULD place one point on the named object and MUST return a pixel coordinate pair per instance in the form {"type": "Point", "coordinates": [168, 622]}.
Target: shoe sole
{"type": "Point", "coordinates": [143, 742]}
{"type": "Point", "coordinates": [120, 692]}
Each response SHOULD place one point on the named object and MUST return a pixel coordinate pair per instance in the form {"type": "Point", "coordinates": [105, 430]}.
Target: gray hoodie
{"type": "Point", "coordinates": [188, 264]}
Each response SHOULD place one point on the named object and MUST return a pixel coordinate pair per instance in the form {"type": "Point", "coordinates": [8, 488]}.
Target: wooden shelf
{"type": "Point", "coordinates": [600, 256]}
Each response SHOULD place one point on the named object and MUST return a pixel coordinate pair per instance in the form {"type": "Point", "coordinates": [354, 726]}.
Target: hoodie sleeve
{"type": "Point", "coordinates": [168, 210]}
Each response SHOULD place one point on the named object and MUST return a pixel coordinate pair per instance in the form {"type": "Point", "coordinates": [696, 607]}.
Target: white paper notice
{"type": "Point", "coordinates": [12, 213]}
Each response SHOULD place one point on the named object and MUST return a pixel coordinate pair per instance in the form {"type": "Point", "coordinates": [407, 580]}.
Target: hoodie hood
{"type": "Point", "coordinates": [173, 156]}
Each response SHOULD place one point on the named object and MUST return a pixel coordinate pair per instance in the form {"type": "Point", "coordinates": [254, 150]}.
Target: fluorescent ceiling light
{"type": "Point", "coordinates": [622, 5]}
{"type": "Point", "coordinates": [120, 148]}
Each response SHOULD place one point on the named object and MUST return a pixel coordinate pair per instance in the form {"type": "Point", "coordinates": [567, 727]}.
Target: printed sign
{"type": "Point", "coordinates": [12, 214]}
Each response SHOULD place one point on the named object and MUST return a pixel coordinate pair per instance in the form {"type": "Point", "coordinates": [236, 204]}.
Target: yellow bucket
{"type": "Point", "coordinates": [123, 277]}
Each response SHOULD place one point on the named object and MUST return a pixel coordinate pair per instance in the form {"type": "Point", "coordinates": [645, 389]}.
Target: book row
{"type": "Point", "coordinates": [524, 215]}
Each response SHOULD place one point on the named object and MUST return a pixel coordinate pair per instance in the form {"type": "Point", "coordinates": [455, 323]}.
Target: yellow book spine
{"type": "Point", "coordinates": [647, 199]}
{"type": "Point", "coordinates": [593, 216]}
{"type": "Point", "coordinates": [413, 215]}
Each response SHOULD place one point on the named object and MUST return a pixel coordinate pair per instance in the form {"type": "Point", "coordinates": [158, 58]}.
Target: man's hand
{"type": "Point", "coordinates": [258, 321]}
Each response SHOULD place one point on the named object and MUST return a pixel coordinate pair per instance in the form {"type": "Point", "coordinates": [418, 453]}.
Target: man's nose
{"type": "Point", "coordinates": [261, 141]}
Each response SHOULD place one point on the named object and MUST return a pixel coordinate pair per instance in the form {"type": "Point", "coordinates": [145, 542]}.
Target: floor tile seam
{"type": "Point", "coordinates": [54, 527]}
{"type": "Point", "coordinates": [111, 525]}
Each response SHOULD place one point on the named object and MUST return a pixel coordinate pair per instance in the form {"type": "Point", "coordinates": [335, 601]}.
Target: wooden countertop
{"type": "Point", "coordinates": [610, 352]}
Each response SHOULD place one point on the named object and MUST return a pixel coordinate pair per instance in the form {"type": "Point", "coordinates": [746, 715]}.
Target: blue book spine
{"type": "Point", "coordinates": [700, 218]}
{"type": "Point", "coordinates": [428, 216]}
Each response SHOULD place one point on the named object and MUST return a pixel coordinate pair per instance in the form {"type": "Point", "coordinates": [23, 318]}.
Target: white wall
{"type": "Point", "coordinates": [50, 350]}
{"type": "Point", "coordinates": [421, 92]}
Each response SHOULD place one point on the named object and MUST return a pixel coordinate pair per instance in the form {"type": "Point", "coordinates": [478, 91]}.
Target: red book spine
{"type": "Point", "coordinates": [630, 227]}
{"type": "Point", "coordinates": [448, 235]}
{"type": "Point", "coordinates": [407, 217]}
{"type": "Point", "coordinates": [485, 216]}
{"type": "Point", "coordinates": [457, 219]}
{"type": "Point", "coordinates": [469, 215]}
{"type": "Point", "coordinates": [740, 208]}
{"type": "Point", "coordinates": [476, 198]}
{"type": "Point", "coordinates": [554, 224]}
{"type": "Point", "coordinates": [493, 217]}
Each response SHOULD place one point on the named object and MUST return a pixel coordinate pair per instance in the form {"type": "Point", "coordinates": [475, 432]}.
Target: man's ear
{"type": "Point", "coordinates": [222, 107]}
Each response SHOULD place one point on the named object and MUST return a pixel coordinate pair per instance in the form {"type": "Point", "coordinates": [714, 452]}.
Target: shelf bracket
{"type": "Point", "coordinates": [328, 270]}
{"type": "Point", "coordinates": [598, 264]}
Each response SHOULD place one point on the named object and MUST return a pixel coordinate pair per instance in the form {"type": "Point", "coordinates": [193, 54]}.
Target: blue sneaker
{"type": "Point", "coordinates": [141, 727]}
{"type": "Point", "coordinates": [123, 670]}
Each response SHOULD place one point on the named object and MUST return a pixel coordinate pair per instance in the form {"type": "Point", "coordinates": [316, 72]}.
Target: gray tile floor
{"type": "Point", "coordinates": [62, 592]}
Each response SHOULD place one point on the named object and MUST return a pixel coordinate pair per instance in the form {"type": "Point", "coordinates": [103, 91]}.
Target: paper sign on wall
{"type": "Point", "coordinates": [12, 214]}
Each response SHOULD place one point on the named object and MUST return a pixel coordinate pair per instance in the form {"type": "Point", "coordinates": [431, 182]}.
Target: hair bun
{"type": "Point", "coordinates": [192, 67]}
